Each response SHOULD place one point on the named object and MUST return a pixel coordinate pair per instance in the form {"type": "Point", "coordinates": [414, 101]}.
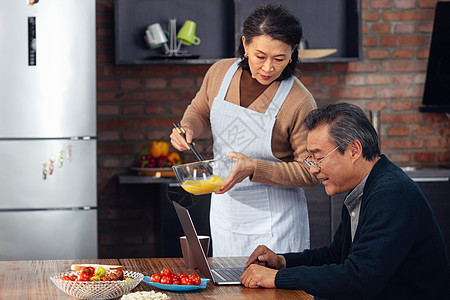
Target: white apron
{"type": "Point", "coordinates": [251, 213]}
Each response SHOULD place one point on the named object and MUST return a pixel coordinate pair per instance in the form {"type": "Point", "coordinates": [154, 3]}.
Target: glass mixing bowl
{"type": "Point", "coordinates": [204, 177]}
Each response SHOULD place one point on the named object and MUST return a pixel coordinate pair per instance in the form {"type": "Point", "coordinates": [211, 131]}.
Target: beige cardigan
{"type": "Point", "coordinates": [289, 133]}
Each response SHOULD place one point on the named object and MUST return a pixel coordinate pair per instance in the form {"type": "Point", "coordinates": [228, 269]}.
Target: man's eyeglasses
{"type": "Point", "coordinates": [308, 161]}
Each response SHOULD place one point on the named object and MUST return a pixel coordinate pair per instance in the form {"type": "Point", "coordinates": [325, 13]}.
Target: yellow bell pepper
{"type": "Point", "coordinates": [174, 158]}
{"type": "Point", "coordinates": [159, 148]}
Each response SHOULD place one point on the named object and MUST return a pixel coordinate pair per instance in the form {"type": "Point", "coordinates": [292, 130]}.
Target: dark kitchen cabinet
{"type": "Point", "coordinates": [319, 213]}
{"type": "Point", "coordinates": [170, 226]}
{"type": "Point", "coordinates": [435, 184]}
{"type": "Point", "coordinates": [145, 206]}
{"type": "Point", "coordinates": [326, 25]}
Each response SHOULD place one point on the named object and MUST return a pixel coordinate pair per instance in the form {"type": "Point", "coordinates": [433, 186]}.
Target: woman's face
{"type": "Point", "coordinates": [267, 58]}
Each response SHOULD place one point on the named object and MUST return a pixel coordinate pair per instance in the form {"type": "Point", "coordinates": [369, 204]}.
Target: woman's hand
{"type": "Point", "coordinates": [244, 167]}
{"type": "Point", "coordinates": [178, 141]}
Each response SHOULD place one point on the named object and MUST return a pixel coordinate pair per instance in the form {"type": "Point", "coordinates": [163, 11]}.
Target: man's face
{"type": "Point", "coordinates": [336, 170]}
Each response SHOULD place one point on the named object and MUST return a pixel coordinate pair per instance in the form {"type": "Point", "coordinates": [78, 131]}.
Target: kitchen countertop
{"type": "Point", "coordinates": [427, 174]}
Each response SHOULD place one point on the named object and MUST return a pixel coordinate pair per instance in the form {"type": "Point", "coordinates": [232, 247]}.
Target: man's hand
{"type": "Point", "coordinates": [258, 276]}
{"type": "Point", "coordinates": [263, 256]}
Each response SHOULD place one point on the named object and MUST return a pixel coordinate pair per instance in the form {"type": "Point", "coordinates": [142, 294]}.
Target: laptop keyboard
{"type": "Point", "coordinates": [229, 274]}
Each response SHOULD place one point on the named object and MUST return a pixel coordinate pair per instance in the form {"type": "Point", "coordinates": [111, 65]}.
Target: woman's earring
{"type": "Point", "coordinates": [245, 55]}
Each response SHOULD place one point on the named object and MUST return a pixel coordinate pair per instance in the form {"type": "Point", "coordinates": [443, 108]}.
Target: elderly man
{"type": "Point", "coordinates": [388, 245]}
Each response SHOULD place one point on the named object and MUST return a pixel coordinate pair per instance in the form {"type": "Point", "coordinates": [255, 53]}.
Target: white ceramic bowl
{"type": "Point", "coordinates": [97, 289]}
{"type": "Point", "coordinates": [204, 177]}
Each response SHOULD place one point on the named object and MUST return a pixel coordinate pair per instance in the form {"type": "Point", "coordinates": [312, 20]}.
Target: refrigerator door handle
{"type": "Point", "coordinates": [31, 41]}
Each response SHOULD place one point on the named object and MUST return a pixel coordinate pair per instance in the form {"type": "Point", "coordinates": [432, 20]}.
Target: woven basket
{"type": "Point", "coordinates": [97, 289]}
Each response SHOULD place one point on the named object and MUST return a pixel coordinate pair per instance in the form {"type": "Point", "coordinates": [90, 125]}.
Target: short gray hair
{"type": "Point", "coordinates": [347, 123]}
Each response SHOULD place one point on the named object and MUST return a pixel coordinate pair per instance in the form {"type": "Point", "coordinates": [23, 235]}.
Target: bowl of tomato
{"type": "Point", "coordinates": [166, 280]}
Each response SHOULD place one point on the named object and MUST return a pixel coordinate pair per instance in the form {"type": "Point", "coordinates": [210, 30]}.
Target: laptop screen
{"type": "Point", "coordinates": [192, 239]}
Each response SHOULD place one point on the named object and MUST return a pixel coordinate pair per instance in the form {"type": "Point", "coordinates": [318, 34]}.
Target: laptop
{"type": "Point", "coordinates": [220, 276]}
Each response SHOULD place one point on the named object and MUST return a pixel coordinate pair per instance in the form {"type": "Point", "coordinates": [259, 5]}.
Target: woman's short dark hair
{"type": "Point", "coordinates": [280, 24]}
{"type": "Point", "coordinates": [347, 122]}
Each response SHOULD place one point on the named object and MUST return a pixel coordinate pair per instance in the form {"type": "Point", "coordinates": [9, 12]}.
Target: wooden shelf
{"type": "Point", "coordinates": [326, 25]}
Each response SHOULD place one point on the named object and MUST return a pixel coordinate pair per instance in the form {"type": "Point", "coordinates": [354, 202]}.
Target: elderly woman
{"type": "Point", "coordinates": [254, 107]}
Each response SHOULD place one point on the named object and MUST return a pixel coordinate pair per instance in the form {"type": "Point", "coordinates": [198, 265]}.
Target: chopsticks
{"type": "Point", "coordinates": [182, 132]}
{"type": "Point", "coordinates": [197, 154]}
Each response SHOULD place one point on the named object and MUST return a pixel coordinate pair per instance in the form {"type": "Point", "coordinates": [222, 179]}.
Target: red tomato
{"type": "Point", "coordinates": [176, 281]}
{"type": "Point", "coordinates": [175, 276]}
{"type": "Point", "coordinates": [182, 275]}
{"type": "Point", "coordinates": [92, 271]}
{"type": "Point", "coordinates": [193, 276]}
{"type": "Point", "coordinates": [166, 279]}
{"type": "Point", "coordinates": [65, 278]}
{"type": "Point", "coordinates": [196, 281]}
{"type": "Point", "coordinates": [186, 281]}
{"type": "Point", "coordinates": [83, 277]}
{"type": "Point", "coordinates": [166, 272]}
{"type": "Point", "coordinates": [85, 270]}
{"type": "Point", "coordinates": [73, 277]}
{"type": "Point", "coordinates": [155, 278]}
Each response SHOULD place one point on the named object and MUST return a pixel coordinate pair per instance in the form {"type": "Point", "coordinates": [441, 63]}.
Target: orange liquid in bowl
{"type": "Point", "coordinates": [200, 187]}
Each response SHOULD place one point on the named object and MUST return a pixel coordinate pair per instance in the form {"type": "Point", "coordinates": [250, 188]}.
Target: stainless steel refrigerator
{"type": "Point", "coordinates": [48, 192]}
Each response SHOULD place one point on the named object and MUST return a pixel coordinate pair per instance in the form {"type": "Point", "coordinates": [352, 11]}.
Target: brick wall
{"type": "Point", "coordinates": [139, 103]}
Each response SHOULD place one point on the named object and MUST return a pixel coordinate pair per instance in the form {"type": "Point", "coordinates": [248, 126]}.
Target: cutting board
{"type": "Point", "coordinates": [315, 53]}
{"type": "Point", "coordinates": [156, 172]}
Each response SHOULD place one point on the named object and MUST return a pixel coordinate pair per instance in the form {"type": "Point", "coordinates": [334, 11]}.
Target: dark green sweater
{"type": "Point", "coordinates": [398, 250]}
